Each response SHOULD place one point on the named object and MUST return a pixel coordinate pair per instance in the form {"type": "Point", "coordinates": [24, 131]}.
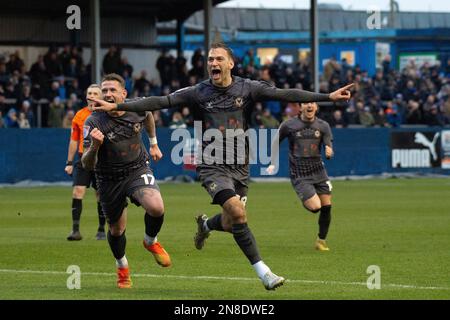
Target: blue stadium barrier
{"type": "Point", "coordinates": [40, 154]}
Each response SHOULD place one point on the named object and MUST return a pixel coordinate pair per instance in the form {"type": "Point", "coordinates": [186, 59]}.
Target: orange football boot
{"type": "Point", "coordinates": [123, 278]}
{"type": "Point", "coordinates": [161, 255]}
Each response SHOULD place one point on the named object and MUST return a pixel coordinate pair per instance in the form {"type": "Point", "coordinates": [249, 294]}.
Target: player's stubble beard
{"type": "Point", "coordinates": [225, 77]}
{"type": "Point", "coordinates": [115, 100]}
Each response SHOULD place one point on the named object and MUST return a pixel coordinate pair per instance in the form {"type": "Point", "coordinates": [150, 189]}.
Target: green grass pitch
{"type": "Point", "coordinates": [400, 225]}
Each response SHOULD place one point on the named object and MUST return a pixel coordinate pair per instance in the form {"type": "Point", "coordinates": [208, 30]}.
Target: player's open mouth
{"type": "Point", "coordinates": [215, 74]}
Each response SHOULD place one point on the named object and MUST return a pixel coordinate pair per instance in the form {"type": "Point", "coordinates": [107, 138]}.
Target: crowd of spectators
{"type": "Point", "coordinates": [57, 80]}
{"type": "Point", "coordinates": [413, 96]}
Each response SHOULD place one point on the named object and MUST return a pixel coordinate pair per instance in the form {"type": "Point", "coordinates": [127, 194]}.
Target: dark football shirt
{"type": "Point", "coordinates": [306, 140]}
{"type": "Point", "coordinates": [122, 147]}
{"type": "Point", "coordinates": [224, 108]}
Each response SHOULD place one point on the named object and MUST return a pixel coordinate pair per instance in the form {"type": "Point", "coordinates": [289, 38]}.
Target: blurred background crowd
{"type": "Point", "coordinates": [58, 79]}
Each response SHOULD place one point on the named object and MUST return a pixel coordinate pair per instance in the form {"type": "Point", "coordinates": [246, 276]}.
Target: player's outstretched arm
{"type": "Point", "coordinates": [264, 92]}
{"type": "Point", "coordinates": [145, 104]}
{"type": "Point", "coordinates": [182, 97]}
{"type": "Point", "coordinates": [342, 94]}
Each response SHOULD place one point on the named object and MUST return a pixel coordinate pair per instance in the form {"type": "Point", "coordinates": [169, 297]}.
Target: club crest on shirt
{"type": "Point", "coordinates": [137, 127]}
{"type": "Point", "coordinates": [86, 131]}
{"type": "Point", "coordinates": [213, 186]}
{"type": "Point", "coordinates": [317, 133]}
{"type": "Point", "coordinates": [238, 102]}
{"type": "Point", "coordinates": [110, 135]}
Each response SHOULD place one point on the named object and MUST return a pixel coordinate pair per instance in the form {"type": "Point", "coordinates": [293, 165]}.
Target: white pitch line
{"type": "Point", "coordinates": [147, 275]}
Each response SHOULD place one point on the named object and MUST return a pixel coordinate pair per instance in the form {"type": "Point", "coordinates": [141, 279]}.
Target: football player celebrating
{"type": "Point", "coordinates": [307, 134]}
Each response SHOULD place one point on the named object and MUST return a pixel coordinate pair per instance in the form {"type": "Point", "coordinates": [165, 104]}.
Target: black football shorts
{"type": "Point", "coordinates": [113, 194]}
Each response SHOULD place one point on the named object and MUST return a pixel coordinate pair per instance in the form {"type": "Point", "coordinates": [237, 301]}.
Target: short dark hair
{"type": "Point", "coordinates": [114, 77]}
{"type": "Point", "coordinates": [222, 45]}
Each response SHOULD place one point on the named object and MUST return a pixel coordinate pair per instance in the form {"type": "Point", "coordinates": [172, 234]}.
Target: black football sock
{"type": "Point", "coordinates": [101, 218]}
{"type": "Point", "coordinates": [77, 206]}
{"type": "Point", "coordinates": [246, 241]}
{"type": "Point", "coordinates": [153, 224]}
{"type": "Point", "coordinates": [215, 223]}
{"type": "Point", "coordinates": [117, 244]}
{"type": "Point", "coordinates": [324, 221]}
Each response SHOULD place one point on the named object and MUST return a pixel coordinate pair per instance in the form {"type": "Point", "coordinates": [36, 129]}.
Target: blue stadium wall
{"type": "Point", "coordinates": [40, 154]}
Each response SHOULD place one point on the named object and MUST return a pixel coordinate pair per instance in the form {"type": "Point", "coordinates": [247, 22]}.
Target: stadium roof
{"type": "Point", "coordinates": [128, 23]}
{"type": "Point", "coordinates": [164, 9]}
{"type": "Point", "coordinates": [256, 20]}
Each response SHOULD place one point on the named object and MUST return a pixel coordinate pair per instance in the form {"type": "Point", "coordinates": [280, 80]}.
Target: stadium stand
{"type": "Point", "coordinates": [52, 88]}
